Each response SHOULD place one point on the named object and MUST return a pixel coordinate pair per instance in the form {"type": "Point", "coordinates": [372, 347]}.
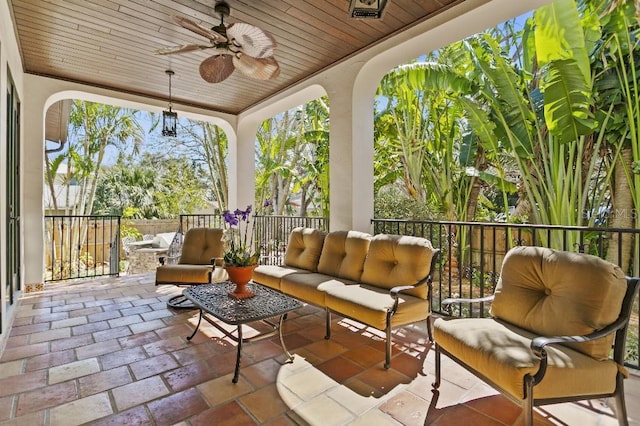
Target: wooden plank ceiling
{"type": "Point", "coordinates": [110, 43]}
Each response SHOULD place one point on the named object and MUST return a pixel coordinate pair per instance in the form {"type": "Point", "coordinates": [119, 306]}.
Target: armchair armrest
{"type": "Point", "coordinates": [217, 261]}
{"type": "Point", "coordinates": [538, 344]}
{"type": "Point", "coordinates": [452, 300]}
{"type": "Point", "coordinates": [167, 259]}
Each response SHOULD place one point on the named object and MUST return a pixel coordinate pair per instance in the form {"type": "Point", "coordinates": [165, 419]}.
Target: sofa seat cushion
{"type": "Point", "coordinates": [343, 254]}
{"type": "Point", "coordinates": [369, 305]}
{"type": "Point", "coordinates": [304, 248]}
{"type": "Point", "coordinates": [539, 285]}
{"type": "Point", "coordinates": [185, 274]}
{"type": "Point", "coordinates": [271, 275]}
{"type": "Point", "coordinates": [311, 287]}
{"type": "Point", "coordinates": [395, 260]}
{"type": "Point", "coordinates": [501, 352]}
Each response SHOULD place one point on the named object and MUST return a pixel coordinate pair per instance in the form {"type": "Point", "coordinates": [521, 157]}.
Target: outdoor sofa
{"type": "Point", "coordinates": [383, 281]}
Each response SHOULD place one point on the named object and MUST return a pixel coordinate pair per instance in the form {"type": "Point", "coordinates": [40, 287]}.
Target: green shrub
{"type": "Point", "coordinates": [392, 203]}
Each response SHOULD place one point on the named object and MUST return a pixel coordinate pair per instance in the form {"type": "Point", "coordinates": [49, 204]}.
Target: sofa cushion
{"type": "Point", "coordinates": [311, 287]}
{"type": "Point", "coordinates": [369, 305]}
{"type": "Point", "coordinates": [201, 245]}
{"type": "Point", "coordinates": [502, 353]}
{"type": "Point", "coordinates": [555, 293]}
{"type": "Point", "coordinates": [343, 254]}
{"type": "Point", "coordinates": [271, 275]}
{"type": "Point", "coordinates": [304, 248]}
{"type": "Point", "coordinates": [395, 260]}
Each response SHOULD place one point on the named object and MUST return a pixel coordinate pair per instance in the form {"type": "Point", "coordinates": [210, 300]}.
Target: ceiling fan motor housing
{"type": "Point", "coordinates": [222, 9]}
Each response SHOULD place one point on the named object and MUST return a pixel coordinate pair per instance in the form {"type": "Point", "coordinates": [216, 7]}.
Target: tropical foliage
{"type": "Point", "coordinates": [292, 161]}
{"type": "Point", "coordinates": [545, 108]}
{"type": "Point", "coordinates": [93, 128]}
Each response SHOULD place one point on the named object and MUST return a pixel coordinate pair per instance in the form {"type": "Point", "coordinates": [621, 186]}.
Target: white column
{"type": "Point", "coordinates": [351, 149]}
{"type": "Point", "coordinates": [32, 171]}
{"type": "Point", "coordinates": [242, 178]}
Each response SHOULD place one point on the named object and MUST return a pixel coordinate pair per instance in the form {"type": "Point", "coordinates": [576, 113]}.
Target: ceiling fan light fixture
{"type": "Point", "coordinates": [367, 9]}
{"type": "Point", "coordinates": [169, 118]}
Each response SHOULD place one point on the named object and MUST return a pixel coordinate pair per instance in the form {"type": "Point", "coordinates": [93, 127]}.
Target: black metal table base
{"type": "Point", "coordinates": [215, 305]}
{"type": "Point", "coordinates": [276, 328]}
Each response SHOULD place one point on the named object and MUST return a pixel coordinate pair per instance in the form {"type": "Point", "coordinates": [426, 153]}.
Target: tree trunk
{"type": "Point", "coordinates": [476, 185]}
{"type": "Point", "coordinates": [621, 214]}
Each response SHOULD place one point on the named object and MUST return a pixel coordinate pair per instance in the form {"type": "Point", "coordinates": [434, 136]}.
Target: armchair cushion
{"type": "Point", "coordinates": [303, 250]}
{"type": "Point", "coordinates": [501, 352]}
{"type": "Point", "coordinates": [201, 245]}
{"type": "Point", "coordinates": [556, 293]}
{"type": "Point", "coordinates": [183, 274]}
{"type": "Point", "coordinates": [395, 260]}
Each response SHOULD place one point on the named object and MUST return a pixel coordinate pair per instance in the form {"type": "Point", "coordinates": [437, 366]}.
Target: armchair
{"type": "Point", "coordinates": [202, 251]}
{"type": "Point", "coordinates": [555, 318]}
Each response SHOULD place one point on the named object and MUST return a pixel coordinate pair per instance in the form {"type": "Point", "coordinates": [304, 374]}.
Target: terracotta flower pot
{"type": "Point", "coordinates": [240, 276]}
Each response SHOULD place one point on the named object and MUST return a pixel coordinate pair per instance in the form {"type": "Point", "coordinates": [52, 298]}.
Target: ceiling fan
{"type": "Point", "coordinates": [236, 46]}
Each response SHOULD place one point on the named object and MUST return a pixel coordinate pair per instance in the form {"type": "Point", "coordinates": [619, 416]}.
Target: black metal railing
{"type": "Point", "coordinates": [272, 234]}
{"type": "Point", "coordinates": [81, 246]}
{"type": "Point", "coordinates": [188, 221]}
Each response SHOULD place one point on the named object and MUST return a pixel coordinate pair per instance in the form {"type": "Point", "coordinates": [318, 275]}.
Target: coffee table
{"type": "Point", "coordinates": [213, 300]}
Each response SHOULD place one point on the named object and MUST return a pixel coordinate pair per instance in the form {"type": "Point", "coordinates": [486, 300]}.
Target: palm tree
{"type": "Point", "coordinates": [93, 128]}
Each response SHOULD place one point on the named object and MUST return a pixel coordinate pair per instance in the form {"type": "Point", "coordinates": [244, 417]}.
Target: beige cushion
{"type": "Point", "coordinates": [311, 287]}
{"type": "Point", "coordinates": [502, 354]}
{"type": "Point", "coordinates": [555, 293]}
{"type": "Point", "coordinates": [395, 260]}
{"type": "Point", "coordinates": [369, 305]}
{"type": "Point", "coordinates": [343, 254]}
{"type": "Point", "coordinates": [303, 249]}
{"type": "Point", "coordinates": [185, 274]}
{"type": "Point", "coordinates": [201, 245]}
{"type": "Point", "coordinates": [270, 275]}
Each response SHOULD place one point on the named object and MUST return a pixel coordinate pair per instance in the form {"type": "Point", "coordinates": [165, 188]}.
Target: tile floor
{"type": "Point", "coordinates": [109, 352]}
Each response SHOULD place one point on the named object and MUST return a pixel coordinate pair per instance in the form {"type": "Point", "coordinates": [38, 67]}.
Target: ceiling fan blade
{"type": "Point", "coordinates": [251, 40]}
{"type": "Point", "coordinates": [180, 49]}
{"type": "Point", "coordinates": [258, 68]}
{"type": "Point", "coordinates": [199, 29]}
{"type": "Point", "coordinates": [216, 68]}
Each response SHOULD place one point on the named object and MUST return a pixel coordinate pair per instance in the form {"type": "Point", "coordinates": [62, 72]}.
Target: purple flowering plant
{"type": "Point", "coordinates": [239, 238]}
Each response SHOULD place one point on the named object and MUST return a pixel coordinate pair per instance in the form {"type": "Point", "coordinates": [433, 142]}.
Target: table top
{"type": "Point", "coordinates": [215, 300]}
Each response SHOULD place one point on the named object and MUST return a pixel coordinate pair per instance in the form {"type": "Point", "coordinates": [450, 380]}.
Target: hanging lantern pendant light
{"type": "Point", "coordinates": [169, 118]}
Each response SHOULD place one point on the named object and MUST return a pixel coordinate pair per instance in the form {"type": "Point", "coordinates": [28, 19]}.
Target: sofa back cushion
{"type": "Point", "coordinates": [556, 293]}
{"type": "Point", "coordinates": [343, 254]}
{"type": "Point", "coordinates": [304, 248]}
{"type": "Point", "coordinates": [201, 245]}
{"type": "Point", "coordinates": [395, 260]}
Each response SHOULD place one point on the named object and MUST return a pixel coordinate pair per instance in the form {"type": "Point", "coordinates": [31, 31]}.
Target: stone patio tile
{"type": "Point", "coordinates": [73, 370]}
{"type": "Point", "coordinates": [136, 393]}
{"type": "Point", "coordinates": [81, 411]}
